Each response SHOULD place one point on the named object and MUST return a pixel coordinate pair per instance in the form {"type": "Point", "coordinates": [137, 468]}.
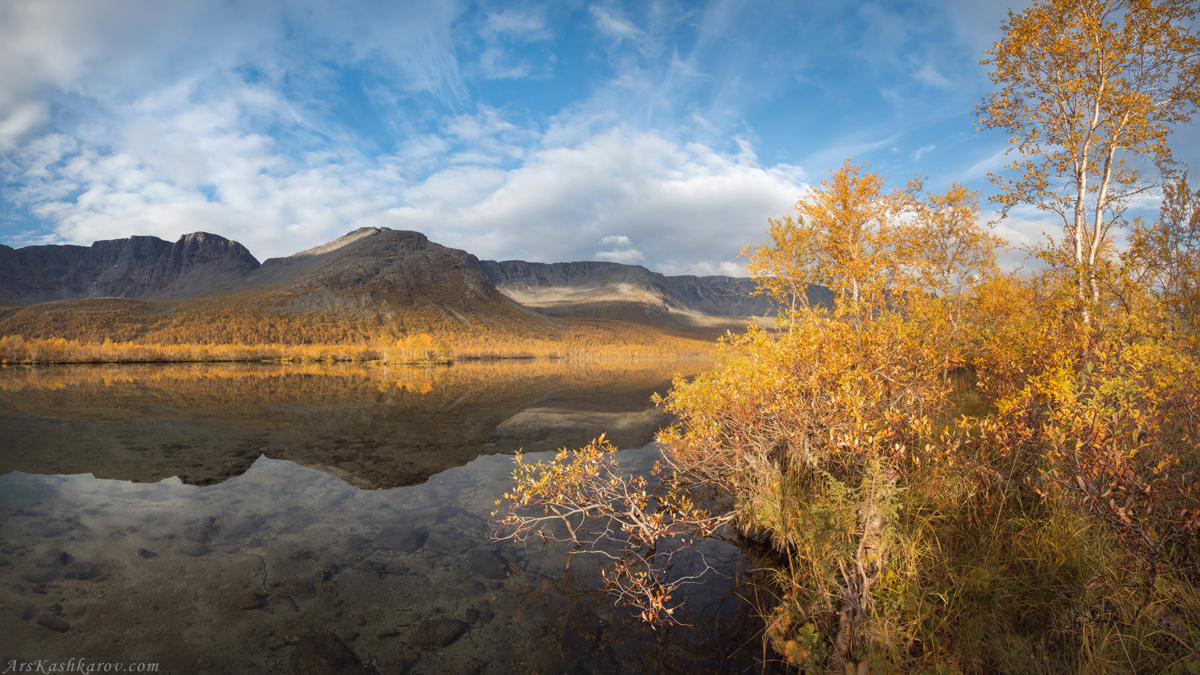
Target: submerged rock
{"type": "Point", "coordinates": [248, 600]}
{"type": "Point", "coordinates": [53, 623]}
{"type": "Point", "coordinates": [194, 550]}
{"type": "Point", "coordinates": [21, 608]}
{"type": "Point", "coordinates": [486, 563]}
{"type": "Point", "coordinates": [437, 633]}
{"type": "Point", "coordinates": [82, 570]}
{"type": "Point", "coordinates": [400, 538]}
{"type": "Point", "coordinates": [326, 655]}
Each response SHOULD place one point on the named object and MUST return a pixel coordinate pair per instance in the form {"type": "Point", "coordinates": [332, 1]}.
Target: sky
{"type": "Point", "coordinates": [655, 133]}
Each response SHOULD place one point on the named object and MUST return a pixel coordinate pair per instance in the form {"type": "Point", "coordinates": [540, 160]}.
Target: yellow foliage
{"type": "Point", "coordinates": [1084, 88]}
{"type": "Point", "coordinates": [949, 450]}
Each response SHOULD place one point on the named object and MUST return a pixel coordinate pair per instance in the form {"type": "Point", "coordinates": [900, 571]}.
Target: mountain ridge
{"type": "Point", "coordinates": [137, 267]}
{"type": "Point", "coordinates": [370, 281]}
{"type": "Point", "coordinates": [615, 290]}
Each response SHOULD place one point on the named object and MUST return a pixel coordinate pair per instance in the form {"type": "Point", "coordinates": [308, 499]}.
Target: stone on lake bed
{"type": "Point", "coordinates": [401, 538]}
{"type": "Point", "coordinates": [82, 570]}
{"type": "Point", "coordinates": [296, 590]}
{"type": "Point", "coordinates": [486, 563]}
{"type": "Point", "coordinates": [294, 520]}
{"type": "Point", "coordinates": [42, 576]}
{"type": "Point", "coordinates": [437, 633]}
{"type": "Point", "coordinates": [445, 543]}
{"type": "Point", "coordinates": [39, 528]}
{"type": "Point", "coordinates": [248, 600]}
{"type": "Point", "coordinates": [19, 607]}
{"type": "Point", "coordinates": [194, 550]}
{"type": "Point", "coordinates": [241, 529]}
{"type": "Point", "coordinates": [54, 558]}
{"type": "Point", "coordinates": [53, 623]}
{"type": "Point", "coordinates": [325, 655]}
{"type": "Point", "coordinates": [426, 517]}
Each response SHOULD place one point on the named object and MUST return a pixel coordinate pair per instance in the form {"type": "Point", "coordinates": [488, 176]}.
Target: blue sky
{"type": "Point", "coordinates": [658, 133]}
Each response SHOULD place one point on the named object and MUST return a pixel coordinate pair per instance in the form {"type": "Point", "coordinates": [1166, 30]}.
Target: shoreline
{"type": "Point", "coordinates": [17, 351]}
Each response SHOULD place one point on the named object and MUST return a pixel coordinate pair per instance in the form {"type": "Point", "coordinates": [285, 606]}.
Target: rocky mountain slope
{"type": "Point", "coordinates": [371, 281]}
{"type": "Point", "coordinates": [145, 268]}
{"type": "Point", "coordinates": [632, 292]}
{"type": "Point", "coordinates": [378, 272]}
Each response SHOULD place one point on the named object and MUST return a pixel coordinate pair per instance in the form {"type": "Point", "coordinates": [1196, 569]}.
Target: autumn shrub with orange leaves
{"type": "Point", "coordinates": [956, 469]}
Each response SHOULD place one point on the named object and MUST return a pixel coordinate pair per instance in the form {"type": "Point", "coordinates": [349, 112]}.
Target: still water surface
{"type": "Point", "coordinates": [268, 518]}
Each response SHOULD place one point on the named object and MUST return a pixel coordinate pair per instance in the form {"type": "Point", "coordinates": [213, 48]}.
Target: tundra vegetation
{"type": "Point", "coordinates": [577, 339]}
{"type": "Point", "coordinates": [954, 469]}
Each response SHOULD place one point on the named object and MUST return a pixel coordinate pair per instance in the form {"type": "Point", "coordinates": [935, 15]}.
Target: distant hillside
{"type": "Point", "coordinates": [633, 293]}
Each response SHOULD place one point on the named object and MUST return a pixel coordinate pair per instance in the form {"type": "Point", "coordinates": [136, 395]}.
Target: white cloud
{"type": "Point", "coordinates": [924, 149]}
{"type": "Point", "coordinates": [109, 51]}
{"type": "Point", "coordinates": [613, 25]}
{"type": "Point", "coordinates": [159, 171]}
{"type": "Point", "coordinates": [627, 256]}
{"type": "Point", "coordinates": [516, 24]}
{"type": "Point", "coordinates": [707, 268]}
{"type": "Point", "coordinates": [180, 167]}
{"type": "Point", "coordinates": [929, 74]}
{"type": "Point", "coordinates": [499, 65]}
{"type": "Point", "coordinates": [622, 252]}
{"type": "Point", "coordinates": [993, 162]}
{"type": "Point", "coordinates": [19, 118]}
{"type": "Point", "coordinates": [686, 202]}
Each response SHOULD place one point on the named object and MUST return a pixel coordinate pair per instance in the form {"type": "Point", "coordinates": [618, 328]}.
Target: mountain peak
{"type": "Point", "coordinates": [341, 242]}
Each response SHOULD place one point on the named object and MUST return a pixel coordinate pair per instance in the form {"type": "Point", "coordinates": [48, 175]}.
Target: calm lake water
{"type": "Point", "coordinates": [270, 518]}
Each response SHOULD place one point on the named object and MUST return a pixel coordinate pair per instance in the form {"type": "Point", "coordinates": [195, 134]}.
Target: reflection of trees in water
{"type": "Point", "coordinates": [409, 403]}
{"type": "Point", "coordinates": [244, 390]}
{"type": "Point", "coordinates": [373, 425]}
{"type": "Point", "coordinates": [572, 625]}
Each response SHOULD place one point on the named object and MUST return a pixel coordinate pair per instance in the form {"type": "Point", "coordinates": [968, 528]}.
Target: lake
{"type": "Point", "coordinates": [304, 518]}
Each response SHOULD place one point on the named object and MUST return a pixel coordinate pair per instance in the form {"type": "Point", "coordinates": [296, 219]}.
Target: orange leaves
{"type": "Point", "coordinates": [1112, 431]}
{"type": "Point", "coordinates": [944, 248]}
{"type": "Point", "coordinates": [785, 267]}
{"type": "Point", "coordinates": [583, 497]}
{"type": "Point", "coordinates": [848, 232]}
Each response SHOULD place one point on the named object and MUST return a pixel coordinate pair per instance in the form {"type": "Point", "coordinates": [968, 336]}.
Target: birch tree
{"type": "Point", "coordinates": [1089, 91]}
{"type": "Point", "coordinates": [854, 227]}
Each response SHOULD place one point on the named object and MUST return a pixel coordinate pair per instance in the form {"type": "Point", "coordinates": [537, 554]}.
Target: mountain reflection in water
{"type": "Point", "coordinates": [372, 426]}
{"type": "Point", "coordinates": [247, 563]}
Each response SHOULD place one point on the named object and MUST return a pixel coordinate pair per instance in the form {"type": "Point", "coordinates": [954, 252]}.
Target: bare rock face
{"type": "Point", "coordinates": [198, 264]}
{"type": "Point", "coordinates": [143, 268]}
{"type": "Point", "coordinates": [728, 296]}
